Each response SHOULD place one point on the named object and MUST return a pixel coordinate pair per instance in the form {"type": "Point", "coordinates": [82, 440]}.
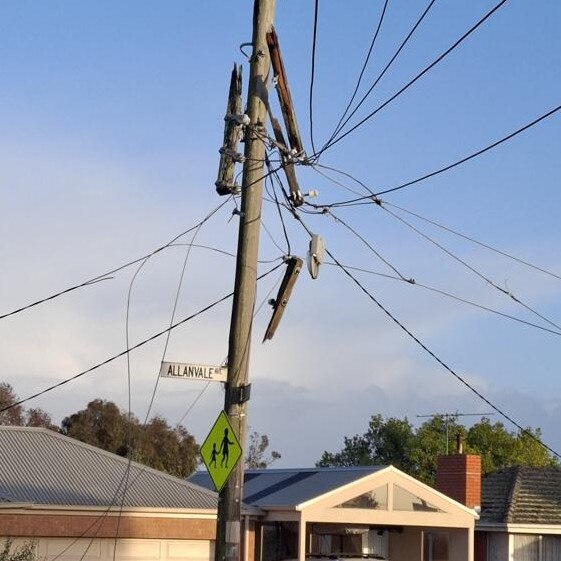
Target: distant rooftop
{"type": "Point", "coordinates": [522, 495]}
{"type": "Point", "coordinates": [43, 467]}
{"type": "Point", "coordinates": [267, 488]}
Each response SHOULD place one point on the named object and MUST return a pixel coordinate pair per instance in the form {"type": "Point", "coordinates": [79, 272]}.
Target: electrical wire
{"type": "Point", "coordinates": [458, 377]}
{"type": "Point", "coordinates": [173, 312]}
{"type": "Point", "coordinates": [444, 169]}
{"type": "Point", "coordinates": [312, 73]}
{"type": "Point", "coordinates": [418, 76]}
{"type": "Point", "coordinates": [451, 296]}
{"type": "Point", "coordinates": [471, 268]}
{"type": "Point", "coordinates": [471, 156]}
{"type": "Point", "coordinates": [105, 276]}
{"type": "Point", "coordinates": [206, 386]}
{"type": "Point", "coordinates": [369, 246]}
{"type": "Point", "coordinates": [375, 83]}
{"type": "Point", "coordinates": [133, 348]}
{"type": "Point", "coordinates": [367, 59]}
{"type": "Point", "coordinates": [473, 240]}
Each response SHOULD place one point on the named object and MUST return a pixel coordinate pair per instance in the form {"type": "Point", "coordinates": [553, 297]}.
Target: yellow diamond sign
{"type": "Point", "coordinates": [221, 451]}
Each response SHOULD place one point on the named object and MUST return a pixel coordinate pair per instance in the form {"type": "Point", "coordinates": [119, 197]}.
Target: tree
{"type": "Point", "coordinates": [17, 415]}
{"type": "Point", "coordinates": [13, 416]}
{"type": "Point", "coordinates": [156, 444]}
{"type": "Point", "coordinates": [256, 457]}
{"type": "Point", "coordinates": [384, 442]}
{"type": "Point", "coordinates": [394, 441]}
{"type": "Point", "coordinates": [25, 552]}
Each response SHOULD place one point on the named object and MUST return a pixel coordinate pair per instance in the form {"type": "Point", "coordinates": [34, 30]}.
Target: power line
{"type": "Point", "coordinates": [473, 240]}
{"type": "Point", "coordinates": [415, 283]}
{"type": "Point", "coordinates": [134, 347]}
{"type": "Point", "coordinates": [472, 269]}
{"type": "Point", "coordinates": [311, 96]}
{"type": "Point", "coordinates": [372, 43]}
{"type": "Point", "coordinates": [418, 76]}
{"type": "Point", "coordinates": [427, 349]}
{"type": "Point", "coordinates": [375, 83]}
{"type": "Point", "coordinates": [471, 156]}
{"type": "Point", "coordinates": [106, 276]}
{"type": "Point", "coordinates": [369, 246]}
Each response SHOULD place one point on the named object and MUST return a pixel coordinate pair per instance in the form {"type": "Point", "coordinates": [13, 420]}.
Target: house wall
{"type": "Point", "coordinates": [407, 545]}
{"type": "Point", "coordinates": [127, 549]}
{"type": "Point", "coordinates": [68, 525]}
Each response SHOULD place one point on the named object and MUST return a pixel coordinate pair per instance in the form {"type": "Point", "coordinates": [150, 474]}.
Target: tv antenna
{"type": "Point", "coordinates": [448, 417]}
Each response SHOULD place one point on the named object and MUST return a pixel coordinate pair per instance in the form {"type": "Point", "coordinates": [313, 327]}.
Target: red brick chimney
{"type": "Point", "coordinates": [459, 476]}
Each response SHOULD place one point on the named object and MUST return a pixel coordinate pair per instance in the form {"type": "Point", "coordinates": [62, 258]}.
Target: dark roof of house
{"type": "Point", "coordinates": [522, 495]}
{"type": "Point", "coordinates": [43, 467]}
{"type": "Point", "coordinates": [266, 488]}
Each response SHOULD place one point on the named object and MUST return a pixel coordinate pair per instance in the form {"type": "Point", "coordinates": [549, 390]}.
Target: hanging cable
{"type": "Point", "coordinates": [133, 348]}
{"type": "Point", "coordinates": [418, 76]}
{"type": "Point", "coordinates": [312, 73]}
{"type": "Point", "coordinates": [472, 269]}
{"type": "Point", "coordinates": [473, 240]}
{"type": "Point", "coordinates": [428, 350]}
{"type": "Point", "coordinates": [367, 59]}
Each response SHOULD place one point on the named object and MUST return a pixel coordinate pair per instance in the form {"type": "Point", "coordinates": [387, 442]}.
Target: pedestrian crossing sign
{"type": "Point", "coordinates": [221, 451]}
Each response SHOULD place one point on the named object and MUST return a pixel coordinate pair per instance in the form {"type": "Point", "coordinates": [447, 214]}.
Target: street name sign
{"type": "Point", "coordinates": [221, 451]}
{"type": "Point", "coordinates": [201, 372]}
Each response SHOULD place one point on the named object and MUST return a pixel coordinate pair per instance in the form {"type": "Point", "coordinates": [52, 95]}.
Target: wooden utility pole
{"type": "Point", "coordinates": [228, 532]}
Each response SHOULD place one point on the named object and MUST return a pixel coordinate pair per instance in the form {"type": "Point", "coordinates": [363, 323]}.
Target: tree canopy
{"type": "Point", "coordinates": [17, 415]}
{"type": "Point", "coordinates": [414, 450]}
{"type": "Point", "coordinates": [156, 444]}
{"type": "Point", "coordinates": [256, 456]}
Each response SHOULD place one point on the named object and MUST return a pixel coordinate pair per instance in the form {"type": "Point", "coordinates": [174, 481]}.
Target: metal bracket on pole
{"type": "Point", "coordinates": [239, 394]}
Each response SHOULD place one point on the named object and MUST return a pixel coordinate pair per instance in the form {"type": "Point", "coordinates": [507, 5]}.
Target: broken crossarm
{"type": "Point", "coordinates": [294, 266]}
{"type": "Point", "coordinates": [225, 181]}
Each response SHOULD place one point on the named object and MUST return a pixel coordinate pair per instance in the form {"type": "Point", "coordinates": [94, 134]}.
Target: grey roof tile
{"type": "Point", "coordinates": [522, 495]}
{"type": "Point", "coordinates": [43, 467]}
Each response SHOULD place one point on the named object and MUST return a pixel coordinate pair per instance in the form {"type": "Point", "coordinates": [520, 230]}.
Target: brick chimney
{"type": "Point", "coordinates": [459, 476]}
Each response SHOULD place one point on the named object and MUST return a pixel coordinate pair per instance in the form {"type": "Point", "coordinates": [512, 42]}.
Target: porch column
{"type": "Point", "coordinates": [302, 539]}
{"type": "Point", "coordinates": [471, 542]}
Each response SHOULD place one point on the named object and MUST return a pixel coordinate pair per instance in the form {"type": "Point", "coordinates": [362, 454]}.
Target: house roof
{"type": "Point", "coordinates": [522, 495]}
{"type": "Point", "coordinates": [269, 488]}
{"type": "Point", "coordinates": [43, 467]}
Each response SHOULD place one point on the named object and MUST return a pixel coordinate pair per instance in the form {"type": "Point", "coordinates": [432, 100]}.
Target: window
{"type": "Point", "coordinates": [525, 547]}
{"type": "Point", "coordinates": [376, 499]}
{"type": "Point", "coordinates": [435, 546]}
{"type": "Point", "coordinates": [551, 548]}
{"type": "Point", "coordinates": [406, 501]}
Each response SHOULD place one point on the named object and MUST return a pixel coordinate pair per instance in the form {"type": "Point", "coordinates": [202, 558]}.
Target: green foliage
{"type": "Point", "coordinates": [395, 441]}
{"type": "Point", "coordinates": [25, 552]}
{"type": "Point", "coordinates": [256, 457]}
{"type": "Point", "coordinates": [157, 445]}
{"type": "Point", "coordinates": [17, 415]}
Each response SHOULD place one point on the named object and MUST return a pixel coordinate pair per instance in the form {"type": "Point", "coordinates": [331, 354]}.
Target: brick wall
{"type": "Point", "coordinates": [68, 526]}
{"type": "Point", "coordinates": [459, 477]}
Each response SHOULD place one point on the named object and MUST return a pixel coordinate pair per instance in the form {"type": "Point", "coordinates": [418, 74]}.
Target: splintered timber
{"type": "Point", "coordinates": [193, 372]}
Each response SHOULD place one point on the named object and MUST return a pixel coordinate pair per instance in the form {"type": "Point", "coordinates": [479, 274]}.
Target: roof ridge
{"type": "Point", "coordinates": [513, 492]}
{"type": "Point", "coordinates": [316, 469]}
{"type": "Point", "coordinates": [95, 449]}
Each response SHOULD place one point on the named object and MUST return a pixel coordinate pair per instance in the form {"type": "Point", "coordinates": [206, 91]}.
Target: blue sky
{"type": "Point", "coordinates": [111, 117]}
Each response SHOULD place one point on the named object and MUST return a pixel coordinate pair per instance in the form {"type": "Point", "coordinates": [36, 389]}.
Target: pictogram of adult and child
{"type": "Point", "coordinates": [224, 450]}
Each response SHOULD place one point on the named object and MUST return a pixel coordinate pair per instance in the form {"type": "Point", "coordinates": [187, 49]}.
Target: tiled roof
{"type": "Point", "coordinates": [43, 467]}
{"type": "Point", "coordinates": [522, 495]}
{"type": "Point", "coordinates": [290, 487]}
